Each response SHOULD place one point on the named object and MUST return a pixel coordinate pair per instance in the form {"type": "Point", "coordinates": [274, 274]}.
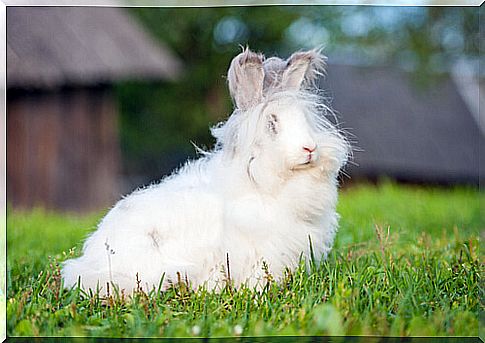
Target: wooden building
{"type": "Point", "coordinates": [405, 132]}
{"type": "Point", "coordinates": [62, 121]}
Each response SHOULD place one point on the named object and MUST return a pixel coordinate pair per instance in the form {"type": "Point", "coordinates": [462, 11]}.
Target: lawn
{"type": "Point", "coordinates": [406, 262]}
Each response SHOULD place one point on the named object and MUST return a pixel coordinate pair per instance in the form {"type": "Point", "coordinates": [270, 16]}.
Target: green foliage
{"type": "Point", "coordinates": [406, 262]}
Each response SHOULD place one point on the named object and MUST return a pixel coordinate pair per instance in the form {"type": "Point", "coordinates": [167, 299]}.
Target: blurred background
{"type": "Point", "coordinates": [103, 100]}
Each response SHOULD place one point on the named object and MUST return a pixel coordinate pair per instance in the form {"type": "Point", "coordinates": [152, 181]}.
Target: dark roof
{"type": "Point", "coordinates": [52, 46]}
{"type": "Point", "coordinates": [404, 131]}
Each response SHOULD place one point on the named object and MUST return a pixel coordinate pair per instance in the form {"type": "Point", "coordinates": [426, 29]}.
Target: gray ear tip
{"type": "Point", "coordinates": [313, 56]}
{"type": "Point", "coordinates": [250, 57]}
{"type": "Point", "coordinates": [302, 70]}
{"type": "Point", "coordinates": [274, 62]}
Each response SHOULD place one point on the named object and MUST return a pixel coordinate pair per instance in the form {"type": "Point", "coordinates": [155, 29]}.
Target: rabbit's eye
{"type": "Point", "coordinates": [273, 124]}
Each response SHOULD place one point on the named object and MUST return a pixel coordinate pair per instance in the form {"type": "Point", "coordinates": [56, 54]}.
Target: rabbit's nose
{"type": "Point", "coordinates": [310, 150]}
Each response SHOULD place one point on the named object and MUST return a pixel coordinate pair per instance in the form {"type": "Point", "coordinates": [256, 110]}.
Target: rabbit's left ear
{"type": "Point", "coordinates": [303, 69]}
{"type": "Point", "coordinates": [245, 78]}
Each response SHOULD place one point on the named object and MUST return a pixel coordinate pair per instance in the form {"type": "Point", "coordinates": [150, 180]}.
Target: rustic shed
{"type": "Point", "coordinates": [62, 134]}
{"type": "Point", "coordinates": [404, 131]}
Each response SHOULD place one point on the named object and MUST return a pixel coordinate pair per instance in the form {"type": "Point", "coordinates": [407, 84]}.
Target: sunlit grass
{"type": "Point", "coordinates": [406, 262]}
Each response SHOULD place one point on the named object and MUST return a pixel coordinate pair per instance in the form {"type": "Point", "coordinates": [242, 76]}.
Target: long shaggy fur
{"type": "Point", "coordinates": [262, 194]}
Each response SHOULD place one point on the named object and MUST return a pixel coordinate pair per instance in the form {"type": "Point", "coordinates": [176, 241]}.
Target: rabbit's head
{"type": "Point", "coordinates": [278, 125]}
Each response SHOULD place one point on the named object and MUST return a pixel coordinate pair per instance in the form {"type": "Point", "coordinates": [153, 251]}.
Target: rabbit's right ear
{"type": "Point", "coordinates": [303, 69]}
{"type": "Point", "coordinates": [245, 77]}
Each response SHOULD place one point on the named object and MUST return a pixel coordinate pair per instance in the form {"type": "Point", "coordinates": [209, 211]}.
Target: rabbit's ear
{"type": "Point", "coordinates": [303, 69]}
{"type": "Point", "coordinates": [273, 69]}
{"type": "Point", "coordinates": [245, 77]}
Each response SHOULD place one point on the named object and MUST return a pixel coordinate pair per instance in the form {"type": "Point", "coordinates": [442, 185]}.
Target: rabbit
{"type": "Point", "coordinates": [262, 199]}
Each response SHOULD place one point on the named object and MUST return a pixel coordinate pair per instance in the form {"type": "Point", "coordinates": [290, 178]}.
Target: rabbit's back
{"type": "Point", "coordinates": [171, 227]}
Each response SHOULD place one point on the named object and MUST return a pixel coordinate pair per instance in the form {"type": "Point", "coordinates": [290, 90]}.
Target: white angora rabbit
{"type": "Point", "coordinates": [266, 191]}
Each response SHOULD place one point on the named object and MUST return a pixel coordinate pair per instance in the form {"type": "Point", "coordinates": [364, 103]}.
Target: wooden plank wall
{"type": "Point", "coordinates": [63, 149]}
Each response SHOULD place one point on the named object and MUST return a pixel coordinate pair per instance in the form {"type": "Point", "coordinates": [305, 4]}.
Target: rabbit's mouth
{"type": "Point", "coordinates": [310, 163]}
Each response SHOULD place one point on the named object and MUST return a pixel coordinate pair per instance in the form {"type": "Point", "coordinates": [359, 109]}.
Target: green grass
{"type": "Point", "coordinates": [406, 262]}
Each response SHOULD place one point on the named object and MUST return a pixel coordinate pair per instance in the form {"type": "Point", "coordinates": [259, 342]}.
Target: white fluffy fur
{"type": "Point", "coordinates": [253, 199]}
